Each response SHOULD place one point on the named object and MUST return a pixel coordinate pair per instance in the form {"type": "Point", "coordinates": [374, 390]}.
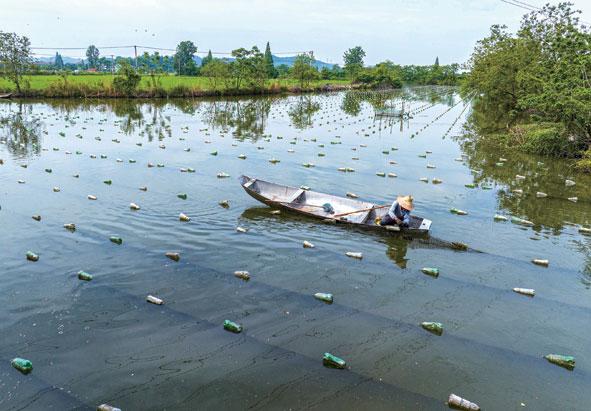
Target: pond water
{"type": "Point", "coordinates": [101, 342]}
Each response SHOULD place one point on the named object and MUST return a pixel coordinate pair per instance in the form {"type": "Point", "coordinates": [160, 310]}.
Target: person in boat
{"type": "Point", "coordinates": [399, 212]}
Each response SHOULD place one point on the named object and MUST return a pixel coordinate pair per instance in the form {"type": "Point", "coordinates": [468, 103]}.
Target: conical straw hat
{"type": "Point", "coordinates": [406, 202]}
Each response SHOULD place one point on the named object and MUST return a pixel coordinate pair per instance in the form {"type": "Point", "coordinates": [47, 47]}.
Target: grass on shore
{"type": "Point", "coordinates": [101, 85]}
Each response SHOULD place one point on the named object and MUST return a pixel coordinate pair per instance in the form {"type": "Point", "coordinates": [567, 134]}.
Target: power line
{"type": "Point", "coordinates": [531, 7]}
{"type": "Point", "coordinates": [156, 48]}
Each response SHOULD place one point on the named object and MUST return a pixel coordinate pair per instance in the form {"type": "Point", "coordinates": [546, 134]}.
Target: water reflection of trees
{"type": "Point", "coordinates": [541, 175]}
{"type": "Point", "coordinates": [20, 130]}
{"type": "Point", "coordinates": [302, 112]}
{"type": "Point", "coordinates": [247, 118]}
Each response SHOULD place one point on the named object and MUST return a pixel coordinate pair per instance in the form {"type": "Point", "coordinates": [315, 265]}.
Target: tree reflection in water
{"type": "Point", "coordinates": [20, 130]}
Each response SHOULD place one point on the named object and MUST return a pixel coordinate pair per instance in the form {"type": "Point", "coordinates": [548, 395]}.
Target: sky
{"type": "Point", "coordinates": [405, 32]}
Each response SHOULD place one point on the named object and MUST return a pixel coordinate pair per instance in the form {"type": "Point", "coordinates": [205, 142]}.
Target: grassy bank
{"type": "Point", "coordinates": [101, 85]}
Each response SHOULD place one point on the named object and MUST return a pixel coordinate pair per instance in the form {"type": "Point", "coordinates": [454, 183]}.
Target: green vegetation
{"type": "Point", "coordinates": [101, 85]}
{"type": "Point", "coordinates": [247, 71]}
{"type": "Point", "coordinates": [15, 57]}
{"type": "Point", "coordinates": [535, 84]}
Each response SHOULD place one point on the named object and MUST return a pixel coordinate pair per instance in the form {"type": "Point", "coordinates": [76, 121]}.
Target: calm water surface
{"type": "Point", "coordinates": [99, 341]}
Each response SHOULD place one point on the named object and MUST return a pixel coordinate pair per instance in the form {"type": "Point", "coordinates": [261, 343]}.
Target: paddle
{"type": "Point", "coordinates": [359, 211]}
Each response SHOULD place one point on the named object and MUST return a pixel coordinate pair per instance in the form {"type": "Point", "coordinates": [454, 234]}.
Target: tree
{"type": "Point", "coordinates": [249, 66]}
{"type": "Point", "coordinates": [217, 73]}
{"type": "Point", "coordinates": [303, 70]}
{"type": "Point", "coordinates": [127, 79]}
{"type": "Point", "coordinates": [58, 62]}
{"type": "Point", "coordinates": [92, 56]}
{"type": "Point", "coordinates": [538, 75]}
{"type": "Point", "coordinates": [15, 57]}
{"type": "Point", "coordinates": [269, 65]}
{"type": "Point", "coordinates": [436, 61]}
{"type": "Point", "coordinates": [183, 58]}
{"type": "Point", "coordinates": [207, 59]}
{"type": "Point", "coordinates": [353, 60]}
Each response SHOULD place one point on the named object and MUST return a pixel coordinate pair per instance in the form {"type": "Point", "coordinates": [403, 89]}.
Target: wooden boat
{"type": "Point", "coordinates": [7, 95]}
{"type": "Point", "coordinates": [311, 203]}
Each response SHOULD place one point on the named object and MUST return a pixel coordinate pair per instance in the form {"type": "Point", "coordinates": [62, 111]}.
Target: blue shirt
{"type": "Point", "coordinates": [400, 213]}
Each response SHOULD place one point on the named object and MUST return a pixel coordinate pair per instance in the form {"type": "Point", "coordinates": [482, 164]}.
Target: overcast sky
{"type": "Point", "coordinates": [406, 32]}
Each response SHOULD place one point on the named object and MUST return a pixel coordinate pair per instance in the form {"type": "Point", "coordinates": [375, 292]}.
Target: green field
{"type": "Point", "coordinates": [53, 85]}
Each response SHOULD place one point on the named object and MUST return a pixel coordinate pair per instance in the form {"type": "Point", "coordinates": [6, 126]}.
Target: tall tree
{"type": "Point", "coordinates": [249, 66]}
{"type": "Point", "coordinates": [15, 57]}
{"type": "Point", "coordinates": [92, 56]}
{"type": "Point", "coordinates": [207, 59]}
{"type": "Point", "coordinates": [436, 61]}
{"type": "Point", "coordinates": [183, 58]}
{"type": "Point", "coordinates": [303, 70]}
{"type": "Point", "coordinates": [354, 60]}
{"type": "Point", "coordinates": [269, 65]}
{"type": "Point", "coordinates": [58, 62]}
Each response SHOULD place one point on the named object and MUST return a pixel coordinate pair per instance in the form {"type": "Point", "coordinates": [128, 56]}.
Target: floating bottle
{"type": "Point", "coordinates": [566, 361]}
{"type": "Point", "coordinates": [31, 256]}
{"type": "Point", "coordinates": [326, 297]}
{"type": "Point", "coordinates": [116, 240]}
{"type": "Point", "coordinates": [437, 181]}
{"type": "Point", "coordinates": [539, 194]}
{"type": "Point", "coordinates": [424, 179]}
{"type": "Point", "coordinates": [584, 230]}
{"type": "Point", "coordinates": [173, 256]}
{"type": "Point", "coordinates": [274, 161]}
{"type": "Point", "coordinates": [573, 199]}
{"type": "Point", "coordinates": [107, 407]}
{"type": "Point", "coordinates": [435, 328]}
{"type": "Point", "coordinates": [308, 244]}
{"type": "Point", "coordinates": [243, 275]}
{"type": "Point", "coordinates": [434, 272]}
{"type": "Point", "coordinates": [224, 203]}
{"type": "Point", "coordinates": [108, 182]}
{"type": "Point", "coordinates": [91, 197]}
{"type": "Point", "coordinates": [143, 188]}
{"type": "Point", "coordinates": [232, 326]}
{"type": "Point", "coordinates": [48, 170]}
{"type": "Point", "coordinates": [521, 221]}
{"type": "Point", "coordinates": [498, 217]}
{"type": "Point", "coordinates": [525, 291]}
{"type": "Point", "coordinates": [470, 185]}
{"type": "Point", "coordinates": [460, 403]}
{"type": "Point", "coordinates": [84, 276]}
{"type": "Point", "coordinates": [569, 183]}
{"type": "Point", "coordinates": [352, 195]}
{"type": "Point", "coordinates": [56, 189]}
{"type": "Point", "coordinates": [458, 211]}
{"type": "Point", "coordinates": [23, 365]}
{"type": "Point", "coordinates": [134, 206]}
{"type": "Point", "coordinates": [182, 196]}
{"type": "Point", "coordinates": [381, 174]}
{"type": "Point", "coordinates": [223, 175]}
{"type": "Point", "coordinates": [541, 262]}
{"type": "Point", "coordinates": [333, 361]}
{"type": "Point", "coordinates": [184, 217]}
{"type": "Point", "coordinates": [36, 217]}
{"type": "Point", "coordinates": [241, 229]}
{"type": "Point", "coordinates": [352, 254]}
{"type": "Point", "coordinates": [70, 226]}
{"type": "Point", "coordinates": [242, 157]}
{"type": "Point", "coordinates": [154, 300]}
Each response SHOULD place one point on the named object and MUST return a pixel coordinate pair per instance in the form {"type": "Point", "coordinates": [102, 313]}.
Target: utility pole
{"type": "Point", "coordinates": [135, 50]}
{"type": "Point", "coordinates": [112, 65]}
